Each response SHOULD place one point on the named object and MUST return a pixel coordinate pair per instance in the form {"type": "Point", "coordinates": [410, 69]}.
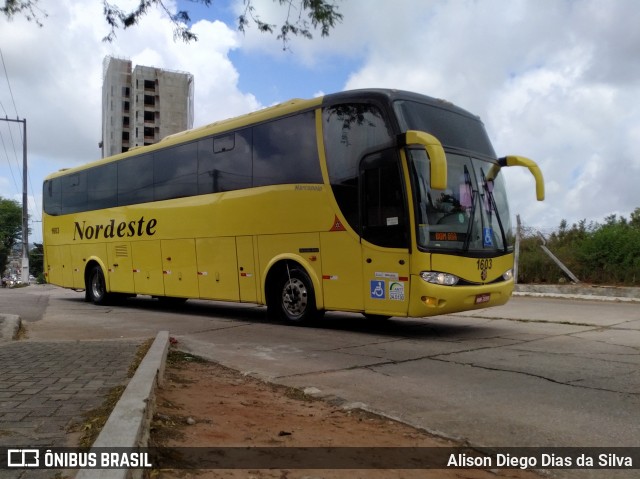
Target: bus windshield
{"type": "Point", "coordinates": [454, 128]}
{"type": "Point", "coordinates": [471, 214]}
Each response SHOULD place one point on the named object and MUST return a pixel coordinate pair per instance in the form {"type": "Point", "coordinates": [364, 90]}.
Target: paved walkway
{"type": "Point", "coordinates": [45, 387]}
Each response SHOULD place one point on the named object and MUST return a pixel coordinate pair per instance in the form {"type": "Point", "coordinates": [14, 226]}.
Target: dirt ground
{"type": "Point", "coordinates": [203, 404]}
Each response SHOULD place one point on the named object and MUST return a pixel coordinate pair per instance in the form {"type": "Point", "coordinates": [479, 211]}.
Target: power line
{"type": "Point", "coordinates": [15, 151]}
{"type": "Point", "coordinates": [8, 83]}
{"type": "Point", "coordinates": [25, 200]}
{"type": "Point", "coordinates": [15, 154]}
{"type": "Point", "coordinates": [4, 147]}
{"type": "Point", "coordinates": [35, 209]}
{"type": "Point", "coordinates": [15, 108]}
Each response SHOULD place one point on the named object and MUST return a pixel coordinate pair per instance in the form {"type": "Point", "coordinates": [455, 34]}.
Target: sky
{"type": "Point", "coordinates": [557, 81]}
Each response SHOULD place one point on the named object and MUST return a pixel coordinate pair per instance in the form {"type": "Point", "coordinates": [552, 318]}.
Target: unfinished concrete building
{"type": "Point", "coordinates": [140, 106]}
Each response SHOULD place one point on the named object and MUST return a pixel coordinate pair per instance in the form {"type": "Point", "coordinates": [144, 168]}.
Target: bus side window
{"type": "Point", "coordinates": [349, 131]}
{"type": "Point", "coordinates": [102, 183]}
{"type": "Point", "coordinates": [224, 162]}
{"type": "Point", "coordinates": [74, 193]}
{"type": "Point", "coordinates": [224, 143]}
{"type": "Point", "coordinates": [52, 197]}
{"type": "Point", "coordinates": [174, 172]}
{"type": "Point", "coordinates": [135, 180]}
{"type": "Point", "coordinates": [285, 151]}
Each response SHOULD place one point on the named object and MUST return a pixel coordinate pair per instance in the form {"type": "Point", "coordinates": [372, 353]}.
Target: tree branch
{"type": "Point", "coordinates": [28, 8]}
{"type": "Point", "coordinates": [119, 19]}
{"type": "Point", "coordinates": [320, 14]}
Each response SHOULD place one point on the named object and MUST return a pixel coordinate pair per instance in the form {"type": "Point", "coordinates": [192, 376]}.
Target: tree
{"type": "Point", "coordinates": [28, 8]}
{"type": "Point", "coordinates": [10, 229]}
{"type": "Point", "coordinates": [635, 218]}
{"type": "Point", "coordinates": [302, 16]}
{"type": "Point", "coordinates": [36, 261]}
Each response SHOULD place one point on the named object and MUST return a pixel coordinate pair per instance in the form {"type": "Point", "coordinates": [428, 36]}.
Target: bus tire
{"type": "Point", "coordinates": [293, 297]}
{"type": "Point", "coordinates": [96, 286]}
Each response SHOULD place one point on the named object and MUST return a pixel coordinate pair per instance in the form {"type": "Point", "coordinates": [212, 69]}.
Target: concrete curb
{"type": "Point", "coordinates": [9, 326]}
{"type": "Point", "coordinates": [128, 424]}
{"type": "Point", "coordinates": [588, 297]}
{"type": "Point", "coordinates": [580, 291]}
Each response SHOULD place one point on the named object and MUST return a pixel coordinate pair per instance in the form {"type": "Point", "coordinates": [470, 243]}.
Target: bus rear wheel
{"type": "Point", "coordinates": [96, 286]}
{"type": "Point", "coordinates": [293, 298]}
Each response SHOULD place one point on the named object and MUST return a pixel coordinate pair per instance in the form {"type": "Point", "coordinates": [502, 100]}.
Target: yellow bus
{"type": "Point", "coordinates": [383, 202]}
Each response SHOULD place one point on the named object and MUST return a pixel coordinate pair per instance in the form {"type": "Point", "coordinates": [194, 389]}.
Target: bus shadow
{"type": "Point", "coordinates": [437, 327]}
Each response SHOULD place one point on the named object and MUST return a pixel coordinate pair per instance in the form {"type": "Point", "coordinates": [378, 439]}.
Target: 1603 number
{"type": "Point", "coordinates": [484, 264]}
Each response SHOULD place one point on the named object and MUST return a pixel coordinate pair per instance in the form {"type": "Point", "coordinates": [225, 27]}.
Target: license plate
{"type": "Point", "coordinates": [483, 298]}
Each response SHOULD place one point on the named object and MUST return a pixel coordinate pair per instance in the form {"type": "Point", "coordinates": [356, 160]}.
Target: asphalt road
{"type": "Point", "coordinates": [535, 372]}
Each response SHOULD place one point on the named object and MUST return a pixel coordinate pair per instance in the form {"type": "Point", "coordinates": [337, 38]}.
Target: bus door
{"type": "Point", "coordinates": [147, 268]}
{"type": "Point", "coordinates": [61, 273]}
{"type": "Point", "coordinates": [217, 268]}
{"type": "Point", "coordinates": [119, 268]}
{"type": "Point", "coordinates": [247, 276]}
{"type": "Point", "coordinates": [179, 268]}
{"type": "Point", "coordinates": [341, 269]}
{"type": "Point", "coordinates": [385, 238]}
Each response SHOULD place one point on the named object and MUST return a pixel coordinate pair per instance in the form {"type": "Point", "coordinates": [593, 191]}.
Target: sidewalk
{"type": "Point", "coordinates": [579, 291]}
{"type": "Point", "coordinates": [47, 387]}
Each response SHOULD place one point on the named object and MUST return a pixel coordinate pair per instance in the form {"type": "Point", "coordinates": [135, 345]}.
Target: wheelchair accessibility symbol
{"type": "Point", "coordinates": [378, 289]}
{"type": "Point", "coordinates": [488, 236]}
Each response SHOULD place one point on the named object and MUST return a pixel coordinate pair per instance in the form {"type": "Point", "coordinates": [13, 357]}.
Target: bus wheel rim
{"type": "Point", "coordinates": [294, 297]}
{"type": "Point", "coordinates": [97, 286]}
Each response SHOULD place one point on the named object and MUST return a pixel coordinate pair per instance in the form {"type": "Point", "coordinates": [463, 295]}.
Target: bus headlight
{"type": "Point", "coordinates": [508, 275]}
{"type": "Point", "coordinates": [443, 279]}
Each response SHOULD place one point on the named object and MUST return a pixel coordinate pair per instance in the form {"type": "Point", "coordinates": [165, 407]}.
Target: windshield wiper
{"type": "Point", "coordinates": [488, 189]}
{"type": "Point", "coordinates": [472, 213]}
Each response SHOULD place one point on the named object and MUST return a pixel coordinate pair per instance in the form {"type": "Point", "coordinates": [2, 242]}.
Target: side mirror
{"type": "Point", "coordinates": [437, 158]}
{"type": "Point", "coordinates": [533, 168]}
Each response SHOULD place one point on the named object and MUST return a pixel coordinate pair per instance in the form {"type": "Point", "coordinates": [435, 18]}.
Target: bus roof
{"type": "Point", "coordinates": [391, 95]}
{"type": "Point", "coordinates": [269, 113]}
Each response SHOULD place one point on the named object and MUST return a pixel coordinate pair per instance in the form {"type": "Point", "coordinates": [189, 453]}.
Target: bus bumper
{"type": "Point", "coordinates": [430, 299]}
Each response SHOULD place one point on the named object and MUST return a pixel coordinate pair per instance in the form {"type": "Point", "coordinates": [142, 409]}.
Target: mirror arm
{"type": "Point", "coordinates": [513, 160]}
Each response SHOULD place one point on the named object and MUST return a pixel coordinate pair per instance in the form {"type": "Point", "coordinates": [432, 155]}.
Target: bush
{"type": "Point", "coordinates": [606, 253]}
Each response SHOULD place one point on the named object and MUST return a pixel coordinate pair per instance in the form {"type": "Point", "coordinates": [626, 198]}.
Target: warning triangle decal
{"type": "Point", "coordinates": [337, 225]}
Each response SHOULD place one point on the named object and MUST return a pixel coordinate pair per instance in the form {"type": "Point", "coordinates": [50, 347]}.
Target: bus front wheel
{"type": "Point", "coordinates": [96, 286]}
{"type": "Point", "coordinates": [293, 298]}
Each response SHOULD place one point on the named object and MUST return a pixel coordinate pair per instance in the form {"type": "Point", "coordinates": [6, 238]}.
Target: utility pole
{"type": "Point", "coordinates": [516, 262]}
{"type": "Point", "coordinates": [566, 270]}
{"type": "Point", "coordinates": [25, 204]}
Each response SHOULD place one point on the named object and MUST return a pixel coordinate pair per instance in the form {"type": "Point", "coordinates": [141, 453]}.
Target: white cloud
{"type": "Point", "coordinates": [552, 80]}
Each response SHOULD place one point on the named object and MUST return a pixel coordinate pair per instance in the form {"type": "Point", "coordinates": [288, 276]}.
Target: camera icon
{"type": "Point", "coordinates": [23, 458]}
